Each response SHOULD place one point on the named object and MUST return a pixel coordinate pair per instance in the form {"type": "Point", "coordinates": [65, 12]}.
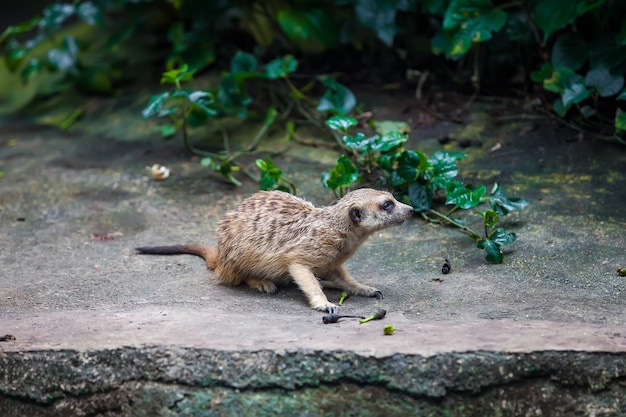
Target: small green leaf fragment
{"type": "Point", "coordinates": [388, 329]}
{"type": "Point", "coordinates": [344, 296]}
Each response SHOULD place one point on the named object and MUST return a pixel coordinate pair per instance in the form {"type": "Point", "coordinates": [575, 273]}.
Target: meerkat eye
{"type": "Point", "coordinates": [387, 205]}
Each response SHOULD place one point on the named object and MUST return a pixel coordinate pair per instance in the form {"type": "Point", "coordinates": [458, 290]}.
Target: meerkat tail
{"type": "Point", "coordinates": [208, 253]}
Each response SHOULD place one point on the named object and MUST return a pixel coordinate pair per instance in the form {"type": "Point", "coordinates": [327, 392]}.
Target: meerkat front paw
{"type": "Point", "coordinates": [368, 291]}
{"type": "Point", "coordinates": [326, 307]}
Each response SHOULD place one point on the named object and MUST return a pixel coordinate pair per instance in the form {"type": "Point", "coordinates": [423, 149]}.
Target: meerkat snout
{"type": "Point", "coordinates": [275, 238]}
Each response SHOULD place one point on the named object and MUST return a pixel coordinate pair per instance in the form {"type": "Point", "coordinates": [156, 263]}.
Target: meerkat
{"type": "Point", "coordinates": [274, 238]}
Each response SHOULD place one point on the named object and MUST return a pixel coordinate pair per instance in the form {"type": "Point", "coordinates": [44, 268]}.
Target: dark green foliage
{"type": "Point", "coordinates": [420, 180]}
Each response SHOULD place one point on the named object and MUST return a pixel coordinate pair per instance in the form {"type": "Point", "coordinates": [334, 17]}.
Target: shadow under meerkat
{"type": "Point", "coordinates": [275, 238]}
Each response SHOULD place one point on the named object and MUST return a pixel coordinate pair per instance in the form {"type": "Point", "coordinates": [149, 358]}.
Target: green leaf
{"type": "Point", "coordinates": [569, 50]}
{"type": "Point", "coordinates": [494, 254]}
{"type": "Point", "coordinates": [387, 126]}
{"type": "Point", "coordinates": [14, 58]}
{"type": "Point", "coordinates": [471, 21]}
{"type": "Point", "coordinates": [604, 81]}
{"type": "Point", "coordinates": [501, 237]}
{"type": "Point", "coordinates": [570, 85]}
{"type": "Point", "coordinates": [176, 75]}
{"type": "Point", "coordinates": [551, 16]}
{"type": "Point", "coordinates": [460, 195]}
{"type": "Point", "coordinates": [622, 95]}
{"type": "Point", "coordinates": [420, 197]}
{"type": "Point", "coordinates": [337, 98]}
{"type": "Point", "coordinates": [232, 100]}
{"type": "Point", "coordinates": [167, 130]}
{"type": "Point", "coordinates": [443, 167]}
{"type": "Point", "coordinates": [55, 15]}
{"type": "Point", "coordinates": [308, 23]}
{"type": "Point", "coordinates": [620, 121]}
{"type": "Point", "coordinates": [341, 122]}
{"type": "Point", "coordinates": [243, 63]}
{"type": "Point", "coordinates": [342, 174]}
{"type": "Point", "coordinates": [503, 205]}
{"type": "Point", "coordinates": [544, 73]}
{"type": "Point", "coordinates": [389, 141]}
{"type": "Point", "coordinates": [380, 16]}
{"type": "Point", "coordinates": [359, 141]}
{"type": "Point", "coordinates": [559, 108]}
{"type": "Point", "coordinates": [64, 59]}
{"type": "Point", "coordinates": [90, 13]}
{"type": "Point", "coordinates": [490, 218]}
{"type": "Point", "coordinates": [280, 67]}
{"type": "Point", "coordinates": [155, 104]}
{"type": "Point", "coordinates": [412, 164]}
{"type": "Point", "coordinates": [32, 67]}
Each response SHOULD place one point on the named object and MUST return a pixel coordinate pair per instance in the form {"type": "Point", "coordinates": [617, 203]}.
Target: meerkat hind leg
{"type": "Point", "coordinates": [311, 287]}
{"type": "Point", "coordinates": [341, 278]}
{"type": "Point", "coordinates": [263, 285]}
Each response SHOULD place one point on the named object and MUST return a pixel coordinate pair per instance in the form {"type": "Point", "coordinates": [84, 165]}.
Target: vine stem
{"type": "Point", "coordinates": [299, 94]}
{"type": "Point", "coordinates": [453, 222]}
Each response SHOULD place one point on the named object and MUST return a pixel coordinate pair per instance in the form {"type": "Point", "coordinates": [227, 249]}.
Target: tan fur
{"type": "Point", "coordinates": [275, 238]}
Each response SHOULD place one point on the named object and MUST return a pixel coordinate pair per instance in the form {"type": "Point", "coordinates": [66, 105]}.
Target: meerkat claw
{"type": "Point", "coordinates": [378, 295]}
{"type": "Point", "coordinates": [332, 309]}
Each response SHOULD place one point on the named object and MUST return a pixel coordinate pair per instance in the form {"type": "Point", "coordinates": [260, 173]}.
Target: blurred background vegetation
{"type": "Point", "coordinates": [570, 56]}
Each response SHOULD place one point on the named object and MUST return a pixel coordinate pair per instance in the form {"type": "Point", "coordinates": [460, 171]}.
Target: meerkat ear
{"type": "Point", "coordinates": [356, 215]}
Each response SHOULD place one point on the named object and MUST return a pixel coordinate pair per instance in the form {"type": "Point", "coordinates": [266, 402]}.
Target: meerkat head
{"type": "Point", "coordinates": [375, 210]}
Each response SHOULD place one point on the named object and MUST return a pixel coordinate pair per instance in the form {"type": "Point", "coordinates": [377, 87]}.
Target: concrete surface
{"type": "Point", "coordinates": [100, 330]}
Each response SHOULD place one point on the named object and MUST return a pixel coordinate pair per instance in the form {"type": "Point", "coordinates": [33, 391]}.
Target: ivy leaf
{"type": "Point", "coordinates": [490, 217]}
{"type": "Point", "coordinates": [420, 197]}
{"type": "Point", "coordinates": [606, 83]}
{"type": "Point", "coordinates": [411, 164]}
{"type": "Point", "coordinates": [32, 67]}
{"type": "Point", "coordinates": [280, 67]}
{"type": "Point", "coordinates": [360, 142]}
{"type": "Point", "coordinates": [444, 167]}
{"type": "Point", "coordinates": [341, 123]}
{"type": "Point", "coordinates": [167, 130]}
{"type": "Point", "coordinates": [243, 63]}
{"type": "Point", "coordinates": [64, 59]}
{"type": "Point", "coordinates": [569, 50]}
{"type": "Point", "coordinates": [620, 121]}
{"type": "Point", "coordinates": [389, 141]}
{"type": "Point", "coordinates": [380, 16]}
{"type": "Point", "coordinates": [176, 75]}
{"type": "Point", "coordinates": [232, 100]}
{"type": "Point", "coordinates": [342, 174]}
{"type": "Point", "coordinates": [501, 237]}
{"type": "Point", "coordinates": [55, 15]}
{"type": "Point", "coordinates": [502, 205]}
{"type": "Point", "coordinates": [551, 16]}
{"type": "Point", "coordinates": [270, 173]}
{"type": "Point", "coordinates": [460, 195]}
{"type": "Point", "coordinates": [155, 104]}
{"type": "Point", "coordinates": [471, 21]}
{"type": "Point", "coordinates": [314, 24]}
{"type": "Point", "coordinates": [337, 98]}
{"type": "Point", "coordinates": [494, 254]}
{"type": "Point", "coordinates": [90, 13]}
